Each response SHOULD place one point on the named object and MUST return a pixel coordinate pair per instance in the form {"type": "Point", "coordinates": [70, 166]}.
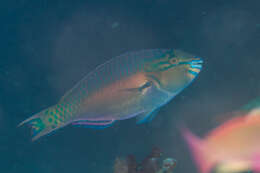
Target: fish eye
{"type": "Point", "coordinates": [173, 61]}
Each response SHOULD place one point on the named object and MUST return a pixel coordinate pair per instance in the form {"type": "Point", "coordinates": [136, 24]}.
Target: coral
{"type": "Point", "coordinates": [120, 165]}
{"type": "Point", "coordinates": [151, 164]}
{"type": "Point", "coordinates": [132, 164]}
{"type": "Point", "coordinates": [168, 165]}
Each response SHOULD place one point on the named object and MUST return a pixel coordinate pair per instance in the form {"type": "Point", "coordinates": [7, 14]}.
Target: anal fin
{"type": "Point", "coordinates": [256, 163]}
{"type": "Point", "coordinates": [94, 124]}
{"type": "Point", "coordinates": [141, 88]}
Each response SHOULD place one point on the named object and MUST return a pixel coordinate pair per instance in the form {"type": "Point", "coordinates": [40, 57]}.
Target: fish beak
{"type": "Point", "coordinates": [196, 63]}
{"type": "Point", "coordinates": [195, 66]}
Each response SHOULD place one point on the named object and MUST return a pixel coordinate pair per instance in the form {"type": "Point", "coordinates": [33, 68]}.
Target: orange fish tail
{"type": "Point", "coordinates": [198, 150]}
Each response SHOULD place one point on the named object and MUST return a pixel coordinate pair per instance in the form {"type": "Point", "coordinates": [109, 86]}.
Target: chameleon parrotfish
{"type": "Point", "coordinates": [134, 84]}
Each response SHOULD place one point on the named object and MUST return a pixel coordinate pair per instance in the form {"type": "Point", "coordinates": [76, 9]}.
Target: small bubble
{"type": "Point", "coordinates": [204, 13]}
{"type": "Point", "coordinates": [115, 25]}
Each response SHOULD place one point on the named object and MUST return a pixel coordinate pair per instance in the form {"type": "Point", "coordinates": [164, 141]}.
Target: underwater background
{"type": "Point", "coordinates": [47, 46]}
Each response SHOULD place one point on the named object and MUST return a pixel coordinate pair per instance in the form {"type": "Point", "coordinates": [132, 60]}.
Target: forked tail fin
{"type": "Point", "coordinates": [199, 151]}
{"type": "Point", "coordinates": [42, 123]}
{"type": "Point", "coordinates": [36, 124]}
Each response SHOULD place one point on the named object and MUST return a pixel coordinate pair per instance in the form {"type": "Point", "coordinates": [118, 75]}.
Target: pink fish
{"type": "Point", "coordinates": [232, 147]}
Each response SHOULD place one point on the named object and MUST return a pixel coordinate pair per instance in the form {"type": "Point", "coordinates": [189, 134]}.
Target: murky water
{"type": "Point", "coordinates": [47, 46]}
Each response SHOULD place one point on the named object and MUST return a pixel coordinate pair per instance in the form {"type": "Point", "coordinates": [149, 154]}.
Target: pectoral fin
{"type": "Point", "coordinates": [141, 88]}
{"type": "Point", "coordinates": [147, 116]}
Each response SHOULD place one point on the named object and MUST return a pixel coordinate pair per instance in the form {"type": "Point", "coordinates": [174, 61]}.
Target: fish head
{"type": "Point", "coordinates": [175, 70]}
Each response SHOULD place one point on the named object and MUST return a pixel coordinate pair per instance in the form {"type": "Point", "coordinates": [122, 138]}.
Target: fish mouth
{"type": "Point", "coordinates": [195, 66]}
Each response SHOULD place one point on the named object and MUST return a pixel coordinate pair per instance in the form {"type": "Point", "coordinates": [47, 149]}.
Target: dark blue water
{"type": "Point", "coordinates": [47, 46]}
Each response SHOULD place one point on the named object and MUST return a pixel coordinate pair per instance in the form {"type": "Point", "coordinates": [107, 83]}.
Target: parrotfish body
{"type": "Point", "coordinates": [231, 147]}
{"type": "Point", "coordinates": [253, 107]}
{"type": "Point", "coordinates": [132, 84]}
{"type": "Point", "coordinates": [250, 109]}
